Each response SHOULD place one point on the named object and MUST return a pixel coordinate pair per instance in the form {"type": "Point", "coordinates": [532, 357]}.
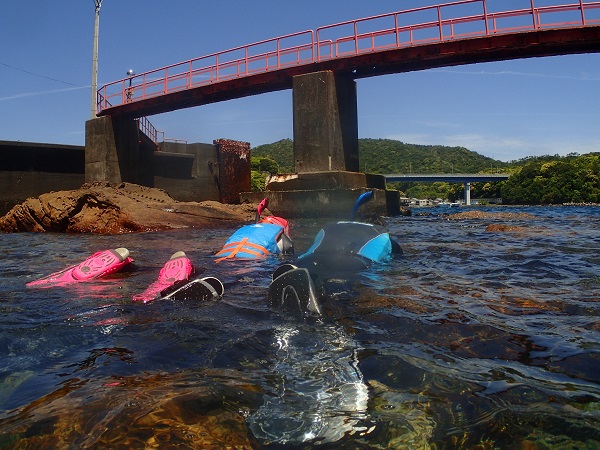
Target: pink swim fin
{"type": "Point", "coordinates": [178, 268]}
{"type": "Point", "coordinates": [98, 265]}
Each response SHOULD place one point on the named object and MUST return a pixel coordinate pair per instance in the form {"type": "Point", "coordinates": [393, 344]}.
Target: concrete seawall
{"type": "Point", "coordinates": [188, 172]}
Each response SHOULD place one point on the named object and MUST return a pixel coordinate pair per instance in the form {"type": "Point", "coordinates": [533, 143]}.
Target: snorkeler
{"type": "Point", "coordinates": [267, 236]}
{"type": "Point", "coordinates": [340, 249]}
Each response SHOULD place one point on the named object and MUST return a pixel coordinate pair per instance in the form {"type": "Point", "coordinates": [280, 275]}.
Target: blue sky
{"type": "Point", "coordinates": [505, 110]}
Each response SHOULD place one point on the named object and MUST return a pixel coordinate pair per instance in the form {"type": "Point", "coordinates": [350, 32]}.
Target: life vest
{"type": "Point", "coordinates": [277, 221]}
{"type": "Point", "coordinates": [255, 241]}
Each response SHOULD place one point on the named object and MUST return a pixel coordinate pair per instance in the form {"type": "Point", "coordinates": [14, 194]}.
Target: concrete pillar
{"type": "Point", "coordinates": [112, 150]}
{"type": "Point", "coordinates": [325, 123]}
{"type": "Point", "coordinates": [467, 193]}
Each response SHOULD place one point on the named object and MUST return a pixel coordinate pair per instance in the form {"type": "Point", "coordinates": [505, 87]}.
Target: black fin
{"type": "Point", "coordinates": [207, 288]}
{"type": "Point", "coordinates": [293, 292]}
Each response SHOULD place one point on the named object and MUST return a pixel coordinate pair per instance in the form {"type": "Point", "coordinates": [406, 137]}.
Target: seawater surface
{"type": "Point", "coordinates": [476, 337]}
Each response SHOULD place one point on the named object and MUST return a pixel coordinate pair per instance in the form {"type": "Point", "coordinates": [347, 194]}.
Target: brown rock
{"type": "Point", "coordinates": [105, 209]}
{"type": "Point", "coordinates": [172, 411]}
{"type": "Point", "coordinates": [500, 227]}
{"type": "Point", "coordinates": [474, 214]}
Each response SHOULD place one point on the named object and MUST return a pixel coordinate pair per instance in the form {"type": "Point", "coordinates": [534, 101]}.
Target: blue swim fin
{"type": "Point", "coordinates": [364, 198]}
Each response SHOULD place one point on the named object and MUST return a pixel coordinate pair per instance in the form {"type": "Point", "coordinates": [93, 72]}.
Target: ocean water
{"type": "Point", "coordinates": [476, 337]}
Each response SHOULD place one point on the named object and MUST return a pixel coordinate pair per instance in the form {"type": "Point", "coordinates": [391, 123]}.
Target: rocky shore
{"type": "Point", "coordinates": [104, 209]}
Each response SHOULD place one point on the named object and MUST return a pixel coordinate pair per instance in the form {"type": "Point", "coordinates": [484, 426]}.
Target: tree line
{"type": "Point", "coordinates": [534, 180]}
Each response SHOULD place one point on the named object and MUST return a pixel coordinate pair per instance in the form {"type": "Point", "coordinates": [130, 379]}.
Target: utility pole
{"type": "Point", "coordinates": [97, 4]}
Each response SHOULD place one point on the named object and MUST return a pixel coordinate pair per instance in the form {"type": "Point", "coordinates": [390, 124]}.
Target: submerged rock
{"type": "Point", "coordinates": [502, 228]}
{"type": "Point", "coordinates": [474, 214]}
{"type": "Point", "coordinates": [105, 209]}
{"type": "Point", "coordinates": [183, 411]}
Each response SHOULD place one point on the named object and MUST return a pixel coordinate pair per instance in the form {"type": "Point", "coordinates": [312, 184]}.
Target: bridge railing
{"type": "Point", "coordinates": [444, 22]}
{"type": "Point", "coordinates": [448, 21]}
{"type": "Point", "coordinates": [263, 56]}
{"type": "Point", "coordinates": [148, 129]}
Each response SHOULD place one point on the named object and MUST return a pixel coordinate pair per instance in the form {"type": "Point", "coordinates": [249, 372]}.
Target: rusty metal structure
{"type": "Point", "coordinates": [234, 169]}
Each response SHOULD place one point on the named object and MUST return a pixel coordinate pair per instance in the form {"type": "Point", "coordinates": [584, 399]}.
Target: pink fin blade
{"type": "Point", "coordinates": [178, 268]}
{"type": "Point", "coordinates": [62, 277]}
{"type": "Point", "coordinates": [99, 264]}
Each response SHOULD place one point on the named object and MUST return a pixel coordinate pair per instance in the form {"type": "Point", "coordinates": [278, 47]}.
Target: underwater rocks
{"type": "Point", "coordinates": [183, 411]}
{"type": "Point", "coordinates": [498, 227]}
{"type": "Point", "coordinates": [503, 215]}
{"type": "Point", "coordinates": [105, 209]}
{"type": "Point", "coordinates": [503, 228]}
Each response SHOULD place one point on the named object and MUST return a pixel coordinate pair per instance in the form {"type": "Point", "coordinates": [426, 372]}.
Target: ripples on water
{"type": "Point", "coordinates": [471, 338]}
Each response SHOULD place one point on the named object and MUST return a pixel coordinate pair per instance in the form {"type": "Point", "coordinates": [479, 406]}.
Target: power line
{"type": "Point", "coordinates": [38, 75]}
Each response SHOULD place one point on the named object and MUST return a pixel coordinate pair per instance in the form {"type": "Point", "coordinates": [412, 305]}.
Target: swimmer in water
{"type": "Point", "coordinates": [340, 249]}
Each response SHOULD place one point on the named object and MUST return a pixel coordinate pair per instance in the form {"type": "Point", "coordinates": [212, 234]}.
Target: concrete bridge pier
{"type": "Point", "coordinates": [467, 193]}
{"type": "Point", "coordinates": [326, 182]}
{"type": "Point", "coordinates": [325, 123]}
{"type": "Point", "coordinates": [116, 151]}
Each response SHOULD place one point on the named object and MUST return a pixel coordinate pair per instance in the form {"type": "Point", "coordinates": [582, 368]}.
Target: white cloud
{"type": "Point", "coordinates": [38, 93]}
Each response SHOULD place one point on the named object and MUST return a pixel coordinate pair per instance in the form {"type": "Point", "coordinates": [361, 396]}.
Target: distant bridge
{"type": "Point", "coordinates": [466, 178]}
{"type": "Point", "coordinates": [449, 177]}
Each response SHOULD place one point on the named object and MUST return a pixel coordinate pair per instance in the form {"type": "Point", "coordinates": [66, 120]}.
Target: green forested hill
{"type": "Point", "coordinates": [389, 156]}
{"type": "Point", "coordinates": [573, 178]}
{"type": "Point", "coordinates": [282, 152]}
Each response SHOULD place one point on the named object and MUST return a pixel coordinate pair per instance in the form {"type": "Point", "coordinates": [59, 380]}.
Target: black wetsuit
{"type": "Point", "coordinates": [340, 250]}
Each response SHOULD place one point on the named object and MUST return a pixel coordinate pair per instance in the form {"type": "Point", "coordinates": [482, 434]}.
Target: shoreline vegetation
{"type": "Point", "coordinates": [534, 180]}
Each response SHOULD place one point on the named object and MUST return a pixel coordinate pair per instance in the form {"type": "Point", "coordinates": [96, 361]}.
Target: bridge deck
{"type": "Point", "coordinates": [450, 177]}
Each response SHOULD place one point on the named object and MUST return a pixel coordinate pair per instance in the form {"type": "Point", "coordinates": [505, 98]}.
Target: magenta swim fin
{"type": "Point", "coordinates": [177, 269]}
{"type": "Point", "coordinates": [98, 265]}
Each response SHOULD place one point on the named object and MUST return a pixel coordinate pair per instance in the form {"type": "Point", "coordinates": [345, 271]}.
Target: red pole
{"type": "Point", "coordinates": [189, 80]}
{"type": "Point", "coordinates": [278, 54]}
{"type": "Point", "coordinates": [534, 15]}
{"type": "Point", "coordinates": [439, 11]}
{"type": "Point", "coordinates": [397, 33]}
{"type": "Point", "coordinates": [355, 39]}
{"type": "Point", "coordinates": [485, 18]}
